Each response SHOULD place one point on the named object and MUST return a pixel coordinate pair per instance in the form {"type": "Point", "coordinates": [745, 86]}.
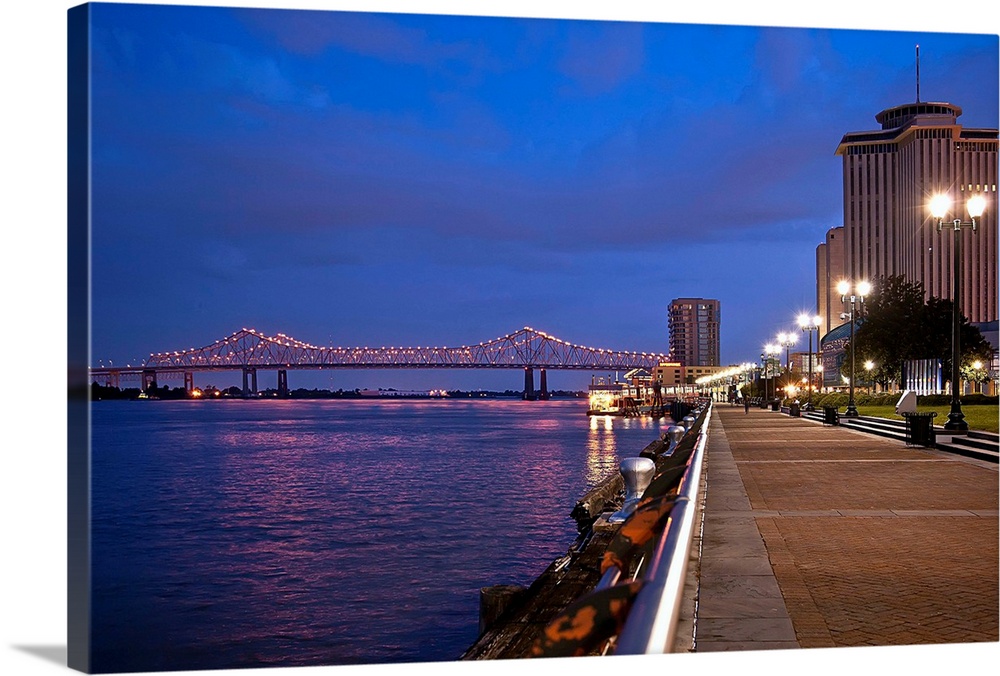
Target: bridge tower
{"type": "Point", "coordinates": [282, 383]}
{"type": "Point", "coordinates": [543, 387]}
{"type": "Point", "coordinates": [249, 381]}
{"type": "Point", "coordinates": [529, 384]}
{"type": "Point", "coordinates": [149, 379]}
{"type": "Point", "coordinates": [188, 381]}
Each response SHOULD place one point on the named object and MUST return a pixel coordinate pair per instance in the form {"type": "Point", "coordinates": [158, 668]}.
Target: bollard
{"type": "Point", "coordinates": [637, 473]}
{"type": "Point", "coordinates": [493, 601]}
{"type": "Point", "coordinates": [688, 422]}
{"type": "Point", "coordinates": [673, 435]}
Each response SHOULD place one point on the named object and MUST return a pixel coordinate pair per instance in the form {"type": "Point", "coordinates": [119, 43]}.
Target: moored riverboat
{"type": "Point", "coordinates": [606, 398]}
{"type": "Point", "coordinates": [629, 398]}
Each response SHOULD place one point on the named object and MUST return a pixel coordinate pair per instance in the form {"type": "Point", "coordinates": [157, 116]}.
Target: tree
{"type": "Point", "coordinates": [890, 328]}
{"type": "Point", "coordinates": [976, 371]}
{"type": "Point", "coordinates": [898, 325]}
{"type": "Point", "coordinates": [937, 334]}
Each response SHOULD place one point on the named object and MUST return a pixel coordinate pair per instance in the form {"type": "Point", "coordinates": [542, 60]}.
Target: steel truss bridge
{"type": "Point", "coordinates": [248, 350]}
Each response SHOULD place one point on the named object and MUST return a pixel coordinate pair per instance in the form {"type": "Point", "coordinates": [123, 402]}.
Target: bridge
{"type": "Point", "coordinates": [248, 350]}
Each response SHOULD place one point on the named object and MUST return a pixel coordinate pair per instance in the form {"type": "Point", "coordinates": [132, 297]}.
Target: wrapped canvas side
{"type": "Point", "coordinates": [78, 338]}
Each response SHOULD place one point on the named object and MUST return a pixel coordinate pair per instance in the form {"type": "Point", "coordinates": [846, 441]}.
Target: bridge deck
{"type": "Point", "coordinates": [821, 536]}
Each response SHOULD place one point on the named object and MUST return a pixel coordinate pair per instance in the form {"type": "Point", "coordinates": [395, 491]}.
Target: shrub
{"type": "Point", "coordinates": [968, 399]}
{"type": "Point", "coordinates": [840, 399]}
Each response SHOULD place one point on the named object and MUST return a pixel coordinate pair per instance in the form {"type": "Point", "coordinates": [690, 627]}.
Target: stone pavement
{"type": "Point", "coordinates": [819, 536]}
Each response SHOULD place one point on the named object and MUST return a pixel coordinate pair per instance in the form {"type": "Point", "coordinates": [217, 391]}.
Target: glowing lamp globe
{"type": "Point", "coordinates": [940, 206]}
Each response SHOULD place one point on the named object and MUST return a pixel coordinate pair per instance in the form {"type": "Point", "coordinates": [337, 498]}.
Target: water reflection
{"type": "Point", "coordinates": [602, 449]}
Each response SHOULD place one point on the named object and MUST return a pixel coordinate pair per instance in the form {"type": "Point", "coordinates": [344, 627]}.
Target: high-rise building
{"type": "Point", "coordinates": [889, 177]}
{"type": "Point", "coordinates": [694, 331]}
{"type": "Point", "coordinates": [829, 271]}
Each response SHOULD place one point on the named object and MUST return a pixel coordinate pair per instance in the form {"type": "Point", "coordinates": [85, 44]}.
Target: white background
{"type": "Point", "coordinates": [33, 326]}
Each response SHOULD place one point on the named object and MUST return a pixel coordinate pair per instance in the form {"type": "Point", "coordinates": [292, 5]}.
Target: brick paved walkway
{"type": "Point", "coordinates": [818, 536]}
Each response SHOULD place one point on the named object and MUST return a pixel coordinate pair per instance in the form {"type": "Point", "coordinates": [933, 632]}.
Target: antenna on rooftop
{"type": "Point", "coordinates": [918, 73]}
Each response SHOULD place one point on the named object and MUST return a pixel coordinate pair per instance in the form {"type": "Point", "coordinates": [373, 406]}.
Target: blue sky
{"type": "Point", "coordinates": [34, 278]}
{"type": "Point", "coordinates": [388, 179]}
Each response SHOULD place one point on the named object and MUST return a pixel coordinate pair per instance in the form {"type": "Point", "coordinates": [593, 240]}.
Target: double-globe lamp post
{"type": "Point", "coordinates": [787, 340]}
{"type": "Point", "coordinates": [810, 324]}
{"type": "Point", "coordinates": [772, 353]}
{"type": "Point", "coordinates": [769, 351]}
{"type": "Point", "coordinates": [941, 206]}
{"type": "Point", "coordinates": [748, 370]}
{"type": "Point", "coordinates": [855, 294]}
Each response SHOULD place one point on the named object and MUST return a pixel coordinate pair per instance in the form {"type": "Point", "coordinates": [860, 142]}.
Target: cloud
{"type": "Point", "coordinates": [381, 36]}
{"type": "Point", "coordinates": [396, 175]}
{"type": "Point", "coordinates": [221, 69]}
{"type": "Point", "coordinates": [599, 57]}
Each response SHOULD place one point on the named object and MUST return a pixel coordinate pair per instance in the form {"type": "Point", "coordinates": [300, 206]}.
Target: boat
{"type": "Point", "coordinates": [608, 397]}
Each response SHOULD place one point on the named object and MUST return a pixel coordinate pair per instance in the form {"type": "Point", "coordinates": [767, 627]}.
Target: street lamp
{"type": "Point", "coordinates": [869, 365]}
{"type": "Point", "coordinates": [977, 366]}
{"type": "Point", "coordinates": [810, 324]}
{"type": "Point", "coordinates": [787, 340]}
{"type": "Point", "coordinates": [769, 350]}
{"type": "Point", "coordinates": [746, 370]}
{"type": "Point", "coordinates": [940, 206]}
{"type": "Point", "coordinates": [855, 296]}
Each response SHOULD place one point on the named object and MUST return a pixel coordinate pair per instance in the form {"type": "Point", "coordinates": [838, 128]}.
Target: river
{"type": "Point", "coordinates": [263, 533]}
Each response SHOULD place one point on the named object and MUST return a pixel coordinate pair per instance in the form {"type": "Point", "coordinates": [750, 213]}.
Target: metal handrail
{"type": "Point", "coordinates": [651, 625]}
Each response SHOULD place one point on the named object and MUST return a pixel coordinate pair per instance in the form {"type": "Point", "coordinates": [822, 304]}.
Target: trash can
{"type": "Point", "coordinates": [775, 404]}
{"type": "Point", "coordinates": [830, 415]}
{"type": "Point", "coordinates": [793, 409]}
{"type": "Point", "coordinates": [919, 428]}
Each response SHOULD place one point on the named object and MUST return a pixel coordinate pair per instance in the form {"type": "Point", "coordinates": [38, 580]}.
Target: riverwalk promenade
{"type": "Point", "coordinates": [820, 536]}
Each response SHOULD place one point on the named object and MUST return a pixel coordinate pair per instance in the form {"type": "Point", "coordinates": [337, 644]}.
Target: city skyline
{"type": "Point", "coordinates": [359, 179]}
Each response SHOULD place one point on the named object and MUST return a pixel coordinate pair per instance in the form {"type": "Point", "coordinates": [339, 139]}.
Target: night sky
{"type": "Point", "coordinates": [454, 180]}
{"type": "Point", "coordinates": [363, 179]}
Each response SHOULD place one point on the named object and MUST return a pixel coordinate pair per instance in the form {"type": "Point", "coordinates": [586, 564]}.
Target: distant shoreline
{"type": "Point", "coordinates": [102, 393]}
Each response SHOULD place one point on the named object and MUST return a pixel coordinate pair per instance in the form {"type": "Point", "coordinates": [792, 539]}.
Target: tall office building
{"type": "Point", "coordinates": [889, 178]}
{"type": "Point", "coordinates": [829, 271]}
{"type": "Point", "coordinates": [694, 331]}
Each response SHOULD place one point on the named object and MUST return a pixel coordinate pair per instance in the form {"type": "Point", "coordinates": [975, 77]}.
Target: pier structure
{"type": "Point", "coordinates": [811, 536]}
{"type": "Point", "coordinates": [530, 393]}
{"type": "Point", "coordinates": [249, 381]}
